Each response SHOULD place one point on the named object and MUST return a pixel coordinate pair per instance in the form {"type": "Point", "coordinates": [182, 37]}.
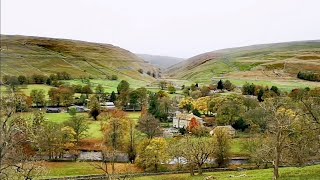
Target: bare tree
{"type": "Point", "coordinates": [15, 142]}
{"type": "Point", "coordinates": [103, 164]}
{"type": "Point", "coordinates": [115, 133]}
{"type": "Point", "coordinates": [287, 131]}
{"type": "Point", "coordinates": [196, 151]}
{"type": "Point", "coordinates": [149, 125]}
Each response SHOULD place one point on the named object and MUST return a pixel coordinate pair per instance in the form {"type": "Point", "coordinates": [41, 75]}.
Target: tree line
{"type": "Point", "coordinates": [308, 75]}
{"type": "Point", "coordinates": [53, 79]}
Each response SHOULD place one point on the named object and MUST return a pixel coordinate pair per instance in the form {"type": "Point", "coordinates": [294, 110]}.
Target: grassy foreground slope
{"type": "Point", "coordinates": [24, 55]}
{"type": "Point", "coordinates": [267, 62]}
{"type": "Point", "coordinates": [292, 173]}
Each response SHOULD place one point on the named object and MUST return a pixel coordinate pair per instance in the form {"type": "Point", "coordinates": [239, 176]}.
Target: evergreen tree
{"type": "Point", "coordinates": [94, 107]}
{"type": "Point", "coordinates": [123, 86]}
{"type": "Point", "coordinates": [220, 85]}
{"type": "Point", "coordinates": [113, 97]}
{"type": "Point", "coordinates": [260, 95]}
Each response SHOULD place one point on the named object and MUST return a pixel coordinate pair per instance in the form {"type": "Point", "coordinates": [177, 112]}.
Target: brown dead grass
{"type": "Point", "coordinates": [89, 145]}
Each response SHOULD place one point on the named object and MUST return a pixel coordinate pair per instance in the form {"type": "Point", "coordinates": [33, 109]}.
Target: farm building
{"type": "Point", "coordinates": [108, 106]}
{"type": "Point", "coordinates": [53, 110]}
{"type": "Point", "coordinates": [79, 108]}
{"type": "Point", "coordinates": [182, 120]}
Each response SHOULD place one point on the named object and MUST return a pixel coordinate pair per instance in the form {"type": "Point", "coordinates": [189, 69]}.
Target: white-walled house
{"type": "Point", "coordinates": [182, 120]}
{"type": "Point", "coordinates": [108, 105]}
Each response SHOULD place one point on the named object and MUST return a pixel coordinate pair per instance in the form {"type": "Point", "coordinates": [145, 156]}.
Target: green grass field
{"type": "Point", "coordinates": [285, 85]}
{"type": "Point", "coordinates": [108, 85]}
{"type": "Point", "coordinates": [26, 89]}
{"type": "Point", "coordinates": [94, 131]}
{"type": "Point", "coordinates": [237, 146]}
{"type": "Point", "coordinates": [291, 173]}
{"type": "Point", "coordinates": [134, 115]}
{"type": "Point", "coordinates": [61, 169]}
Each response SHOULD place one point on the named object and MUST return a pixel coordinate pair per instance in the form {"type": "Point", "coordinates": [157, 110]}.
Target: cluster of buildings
{"type": "Point", "coordinates": [182, 120]}
{"type": "Point", "coordinates": [80, 109]}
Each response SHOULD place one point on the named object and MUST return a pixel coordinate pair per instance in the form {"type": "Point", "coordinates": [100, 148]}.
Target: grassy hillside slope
{"type": "Point", "coordinates": [23, 55]}
{"type": "Point", "coordinates": [160, 61]}
{"type": "Point", "coordinates": [276, 62]}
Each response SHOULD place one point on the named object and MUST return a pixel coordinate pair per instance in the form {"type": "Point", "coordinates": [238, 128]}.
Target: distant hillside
{"type": "Point", "coordinates": [266, 61]}
{"type": "Point", "coordinates": [161, 61]}
{"type": "Point", "coordinates": [23, 55]}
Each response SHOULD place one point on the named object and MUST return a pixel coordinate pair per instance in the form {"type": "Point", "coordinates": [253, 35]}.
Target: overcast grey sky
{"type": "Point", "coordinates": [181, 28]}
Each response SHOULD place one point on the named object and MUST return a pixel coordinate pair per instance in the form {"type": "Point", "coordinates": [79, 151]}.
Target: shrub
{"type": "Point", "coordinates": [309, 76]}
{"type": "Point", "coordinates": [114, 77]}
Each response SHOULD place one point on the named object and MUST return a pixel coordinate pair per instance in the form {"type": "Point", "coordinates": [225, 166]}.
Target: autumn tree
{"type": "Point", "coordinates": [131, 146]}
{"type": "Point", "coordinates": [54, 96]}
{"type": "Point", "coordinates": [257, 119]}
{"type": "Point", "coordinates": [197, 151]}
{"type": "Point", "coordinates": [95, 107]}
{"type": "Point", "coordinates": [186, 104]}
{"type": "Point", "coordinates": [248, 89]}
{"type": "Point", "coordinates": [142, 96]}
{"type": "Point", "coordinates": [38, 97]}
{"type": "Point", "coordinates": [308, 102]}
{"type": "Point", "coordinates": [86, 90]}
{"type": "Point", "coordinates": [61, 96]}
{"type": "Point", "coordinates": [171, 89]}
{"type": "Point", "coordinates": [12, 82]}
{"type": "Point", "coordinates": [228, 85]}
{"type": "Point", "coordinates": [15, 142]}
{"type": "Point", "coordinates": [52, 138]}
{"type": "Point", "coordinates": [202, 104]}
{"type": "Point", "coordinates": [205, 91]}
{"type": "Point", "coordinates": [66, 95]}
{"type": "Point", "coordinates": [287, 131]}
{"type": "Point", "coordinates": [229, 112]}
{"type": "Point", "coordinates": [115, 129]}
{"type": "Point", "coordinates": [152, 153]}
{"type": "Point", "coordinates": [193, 125]}
{"type": "Point", "coordinates": [123, 86]}
{"type": "Point", "coordinates": [22, 79]}
{"type": "Point", "coordinates": [186, 91]}
{"type": "Point", "coordinates": [79, 125]}
{"type": "Point", "coordinates": [99, 90]}
{"type": "Point", "coordinates": [23, 102]}
{"type": "Point", "coordinates": [133, 99]}
{"type": "Point", "coordinates": [162, 85]}
{"type": "Point", "coordinates": [123, 99]}
{"type": "Point", "coordinates": [196, 94]}
{"type": "Point", "coordinates": [221, 141]}
{"type": "Point", "coordinates": [149, 125]}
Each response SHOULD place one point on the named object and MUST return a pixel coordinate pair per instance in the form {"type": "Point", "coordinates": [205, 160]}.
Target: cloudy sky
{"type": "Point", "coordinates": [181, 28]}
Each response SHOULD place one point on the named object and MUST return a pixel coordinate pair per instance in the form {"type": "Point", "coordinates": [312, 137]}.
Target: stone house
{"type": "Point", "coordinates": [182, 120]}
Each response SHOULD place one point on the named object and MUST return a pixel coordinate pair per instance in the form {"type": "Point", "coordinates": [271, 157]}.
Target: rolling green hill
{"type": "Point", "coordinates": [24, 55]}
{"type": "Point", "coordinates": [267, 62]}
